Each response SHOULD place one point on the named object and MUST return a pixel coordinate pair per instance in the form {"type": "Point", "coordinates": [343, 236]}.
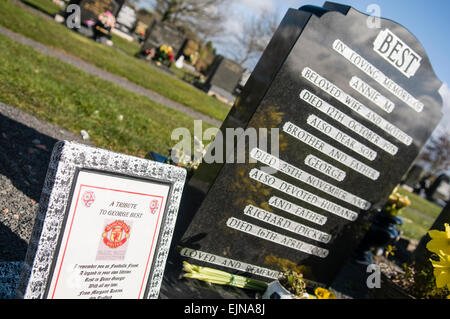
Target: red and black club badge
{"type": "Point", "coordinates": [154, 205]}
{"type": "Point", "coordinates": [116, 234]}
{"type": "Point", "coordinates": [88, 198]}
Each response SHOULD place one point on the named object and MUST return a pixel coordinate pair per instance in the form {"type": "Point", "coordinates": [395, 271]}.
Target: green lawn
{"type": "Point", "coordinates": [137, 71]}
{"type": "Point", "coordinates": [421, 204]}
{"type": "Point", "coordinates": [183, 74]}
{"type": "Point", "coordinates": [47, 6]}
{"type": "Point", "coordinates": [416, 225]}
{"type": "Point", "coordinates": [61, 94]}
{"type": "Point", "coordinates": [130, 47]}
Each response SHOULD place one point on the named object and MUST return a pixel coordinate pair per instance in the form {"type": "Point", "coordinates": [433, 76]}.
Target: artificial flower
{"type": "Point", "coordinates": [323, 293]}
{"type": "Point", "coordinates": [442, 270]}
{"type": "Point", "coordinates": [440, 240]}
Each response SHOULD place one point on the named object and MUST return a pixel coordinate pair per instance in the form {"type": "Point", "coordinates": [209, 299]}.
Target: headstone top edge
{"type": "Point", "coordinates": [332, 8]}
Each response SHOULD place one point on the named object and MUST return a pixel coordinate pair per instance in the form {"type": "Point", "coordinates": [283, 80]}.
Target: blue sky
{"type": "Point", "coordinates": [427, 20]}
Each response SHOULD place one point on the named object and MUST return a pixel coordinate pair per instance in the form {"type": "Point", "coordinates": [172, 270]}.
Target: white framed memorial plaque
{"type": "Point", "coordinates": [104, 226]}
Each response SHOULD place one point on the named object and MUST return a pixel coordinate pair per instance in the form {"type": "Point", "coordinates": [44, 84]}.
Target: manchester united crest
{"type": "Point", "coordinates": [88, 198]}
{"type": "Point", "coordinates": [116, 234]}
{"type": "Point", "coordinates": [154, 205]}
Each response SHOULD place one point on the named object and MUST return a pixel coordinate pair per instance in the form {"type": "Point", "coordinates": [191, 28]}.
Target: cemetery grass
{"type": "Point", "coordinates": [59, 93]}
{"type": "Point", "coordinates": [129, 47]}
{"type": "Point", "coordinates": [421, 204]}
{"type": "Point", "coordinates": [183, 74]}
{"type": "Point", "coordinates": [46, 6]}
{"type": "Point", "coordinates": [415, 225]}
{"type": "Point", "coordinates": [58, 36]}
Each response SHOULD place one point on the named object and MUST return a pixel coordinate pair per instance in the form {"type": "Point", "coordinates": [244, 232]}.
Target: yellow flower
{"type": "Point", "coordinates": [323, 293]}
{"type": "Point", "coordinates": [442, 270]}
{"type": "Point", "coordinates": [403, 201]}
{"type": "Point", "coordinates": [390, 250]}
{"type": "Point", "coordinates": [440, 240]}
{"type": "Point", "coordinates": [392, 199]}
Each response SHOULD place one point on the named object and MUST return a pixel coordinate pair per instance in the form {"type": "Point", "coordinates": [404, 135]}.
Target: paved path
{"type": "Point", "coordinates": [107, 76]}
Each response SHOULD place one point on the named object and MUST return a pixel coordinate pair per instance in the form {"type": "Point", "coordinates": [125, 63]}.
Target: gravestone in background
{"type": "Point", "coordinates": [91, 9]}
{"type": "Point", "coordinates": [104, 226]}
{"type": "Point", "coordinates": [145, 19]}
{"type": "Point", "coordinates": [223, 77]}
{"type": "Point", "coordinates": [189, 47]}
{"type": "Point", "coordinates": [126, 19]}
{"type": "Point", "coordinates": [163, 34]}
{"type": "Point", "coordinates": [354, 105]}
{"type": "Point", "coordinates": [439, 191]}
{"type": "Point", "coordinates": [414, 174]}
{"type": "Point", "coordinates": [422, 254]}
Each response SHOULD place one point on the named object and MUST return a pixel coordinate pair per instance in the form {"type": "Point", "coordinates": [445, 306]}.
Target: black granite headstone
{"type": "Point", "coordinates": [354, 105]}
{"type": "Point", "coordinates": [161, 33]}
{"type": "Point", "coordinates": [414, 174]}
{"type": "Point", "coordinates": [439, 191]}
{"type": "Point", "coordinates": [224, 76]}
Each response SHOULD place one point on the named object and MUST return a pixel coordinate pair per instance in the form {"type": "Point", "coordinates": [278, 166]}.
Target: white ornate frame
{"type": "Point", "coordinates": [66, 160]}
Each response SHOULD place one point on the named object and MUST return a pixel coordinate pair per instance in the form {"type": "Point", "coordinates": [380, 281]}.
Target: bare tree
{"type": "Point", "coordinates": [203, 17]}
{"type": "Point", "coordinates": [437, 152]}
{"type": "Point", "coordinates": [250, 42]}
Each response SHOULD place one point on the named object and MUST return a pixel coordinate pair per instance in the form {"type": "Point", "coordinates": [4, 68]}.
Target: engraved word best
{"type": "Point", "coordinates": [397, 53]}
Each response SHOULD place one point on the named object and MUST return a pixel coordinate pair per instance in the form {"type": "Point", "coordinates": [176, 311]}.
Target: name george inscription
{"type": "Point", "coordinates": [307, 178]}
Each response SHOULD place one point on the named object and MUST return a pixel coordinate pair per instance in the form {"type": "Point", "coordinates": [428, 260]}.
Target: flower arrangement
{"type": "Point", "coordinates": [214, 276]}
{"type": "Point", "coordinates": [150, 54]}
{"type": "Point", "coordinates": [164, 54]}
{"type": "Point", "coordinates": [322, 293]}
{"type": "Point", "coordinates": [187, 161]}
{"type": "Point", "coordinates": [396, 203]}
{"type": "Point", "coordinates": [193, 58]}
{"type": "Point", "coordinates": [430, 279]}
{"type": "Point", "coordinates": [440, 245]}
{"type": "Point", "coordinates": [107, 19]}
{"type": "Point", "coordinates": [292, 281]}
